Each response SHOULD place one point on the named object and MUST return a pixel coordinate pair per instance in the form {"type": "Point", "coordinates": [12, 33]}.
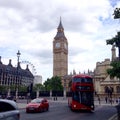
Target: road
{"type": "Point", "coordinates": [60, 111]}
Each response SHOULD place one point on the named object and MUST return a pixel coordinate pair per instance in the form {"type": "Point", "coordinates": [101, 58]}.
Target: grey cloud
{"type": "Point", "coordinates": [10, 4]}
{"type": "Point", "coordinates": [44, 16]}
{"type": "Point", "coordinates": [75, 51]}
{"type": "Point", "coordinates": [44, 56]}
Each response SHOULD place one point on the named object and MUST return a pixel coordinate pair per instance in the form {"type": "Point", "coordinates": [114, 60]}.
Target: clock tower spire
{"type": "Point", "coordinates": [60, 31]}
{"type": "Point", "coordinates": [60, 52]}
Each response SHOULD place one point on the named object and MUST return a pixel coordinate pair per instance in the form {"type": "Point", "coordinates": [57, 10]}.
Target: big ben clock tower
{"type": "Point", "coordinates": [60, 53]}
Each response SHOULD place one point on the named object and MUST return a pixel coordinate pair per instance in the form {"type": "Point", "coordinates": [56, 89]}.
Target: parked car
{"type": "Point", "coordinates": [9, 110]}
{"type": "Point", "coordinates": [37, 105]}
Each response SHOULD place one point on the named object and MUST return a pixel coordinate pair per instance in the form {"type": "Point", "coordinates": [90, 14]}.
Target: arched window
{"type": "Point", "coordinates": [106, 89]}
{"type": "Point", "coordinates": [118, 89]}
{"type": "Point", "coordinates": [109, 90]}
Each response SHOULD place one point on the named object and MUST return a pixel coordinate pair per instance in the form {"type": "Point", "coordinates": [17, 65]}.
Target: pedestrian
{"type": "Point", "coordinates": [119, 100]}
{"type": "Point", "coordinates": [99, 99]}
{"type": "Point", "coordinates": [106, 99]}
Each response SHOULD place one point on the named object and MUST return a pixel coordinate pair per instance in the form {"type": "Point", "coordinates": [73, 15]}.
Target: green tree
{"type": "Point", "coordinates": [2, 88]}
{"type": "Point", "coordinates": [12, 87]}
{"type": "Point", "coordinates": [114, 71]}
{"type": "Point", "coordinates": [115, 41]}
{"type": "Point", "coordinates": [47, 84]}
{"type": "Point", "coordinates": [56, 83]}
{"type": "Point", "coordinates": [53, 84]}
{"type": "Point", "coordinates": [22, 88]}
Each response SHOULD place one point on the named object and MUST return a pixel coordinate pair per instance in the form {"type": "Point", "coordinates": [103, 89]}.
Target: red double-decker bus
{"type": "Point", "coordinates": [82, 91]}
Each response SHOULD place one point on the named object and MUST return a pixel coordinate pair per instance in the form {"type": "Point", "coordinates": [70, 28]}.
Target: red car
{"type": "Point", "coordinates": [37, 105]}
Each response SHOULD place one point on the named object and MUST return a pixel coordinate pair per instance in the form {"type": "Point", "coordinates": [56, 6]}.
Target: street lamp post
{"type": "Point", "coordinates": [17, 80]}
{"type": "Point", "coordinates": [18, 56]}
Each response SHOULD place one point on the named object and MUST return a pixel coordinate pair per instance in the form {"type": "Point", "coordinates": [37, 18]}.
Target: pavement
{"type": "Point", "coordinates": [22, 104]}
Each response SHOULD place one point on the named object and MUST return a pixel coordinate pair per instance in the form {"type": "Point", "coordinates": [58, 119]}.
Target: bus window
{"type": "Point", "coordinates": [87, 98]}
{"type": "Point", "coordinates": [76, 96]}
{"type": "Point", "coordinates": [88, 80]}
{"type": "Point", "coordinates": [83, 87]}
{"type": "Point", "coordinates": [83, 80]}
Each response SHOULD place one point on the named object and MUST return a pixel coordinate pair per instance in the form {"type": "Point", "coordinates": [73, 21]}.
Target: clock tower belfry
{"type": "Point", "coordinates": [60, 53]}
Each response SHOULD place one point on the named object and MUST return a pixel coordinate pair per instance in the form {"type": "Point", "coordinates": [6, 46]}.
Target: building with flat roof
{"type": "Point", "coordinates": [37, 79]}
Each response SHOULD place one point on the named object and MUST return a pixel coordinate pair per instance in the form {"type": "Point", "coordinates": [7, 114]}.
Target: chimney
{"type": "Point", "coordinates": [27, 68]}
{"type": "Point", "coordinates": [10, 62]}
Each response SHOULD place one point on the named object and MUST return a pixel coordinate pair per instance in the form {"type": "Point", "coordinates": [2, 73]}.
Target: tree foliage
{"type": "Point", "coordinates": [116, 13]}
{"type": "Point", "coordinates": [115, 70]}
{"type": "Point", "coordinates": [2, 88]}
{"type": "Point", "coordinates": [53, 84]}
{"type": "Point", "coordinates": [47, 84]}
{"type": "Point", "coordinates": [22, 88]}
{"type": "Point", "coordinates": [115, 40]}
{"type": "Point", "coordinates": [111, 41]}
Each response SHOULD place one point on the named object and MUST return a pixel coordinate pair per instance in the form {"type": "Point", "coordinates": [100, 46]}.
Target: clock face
{"type": "Point", "coordinates": [57, 45]}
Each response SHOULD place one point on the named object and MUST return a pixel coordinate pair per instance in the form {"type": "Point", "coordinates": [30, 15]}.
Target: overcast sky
{"type": "Point", "coordinates": [31, 25]}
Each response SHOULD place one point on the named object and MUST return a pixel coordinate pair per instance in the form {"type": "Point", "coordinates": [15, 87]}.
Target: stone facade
{"type": "Point", "coordinates": [100, 74]}
{"type": "Point", "coordinates": [103, 84]}
{"type": "Point", "coordinates": [15, 76]}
